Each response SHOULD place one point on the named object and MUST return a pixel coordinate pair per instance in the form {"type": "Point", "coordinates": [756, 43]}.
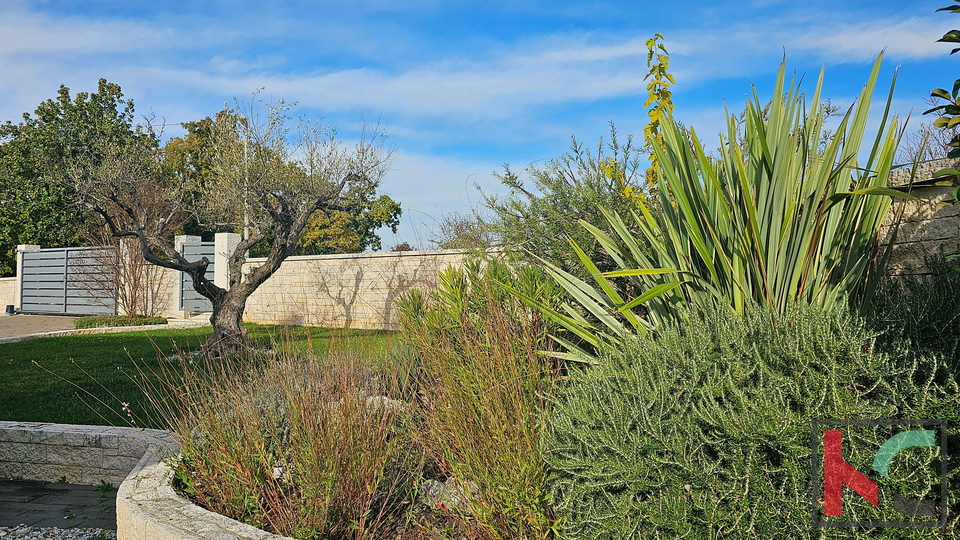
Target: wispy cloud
{"type": "Point", "coordinates": [23, 32]}
{"type": "Point", "coordinates": [914, 38]}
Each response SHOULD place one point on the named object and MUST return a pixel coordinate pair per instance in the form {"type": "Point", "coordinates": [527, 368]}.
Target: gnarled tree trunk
{"type": "Point", "coordinates": [228, 337]}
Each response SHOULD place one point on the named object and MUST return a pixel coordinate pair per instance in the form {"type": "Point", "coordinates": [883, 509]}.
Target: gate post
{"type": "Point", "coordinates": [21, 249]}
{"type": "Point", "coordinates": [224, 244]}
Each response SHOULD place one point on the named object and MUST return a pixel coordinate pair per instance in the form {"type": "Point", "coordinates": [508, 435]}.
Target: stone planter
{"type": "Point", "coordinates": [149, 509]}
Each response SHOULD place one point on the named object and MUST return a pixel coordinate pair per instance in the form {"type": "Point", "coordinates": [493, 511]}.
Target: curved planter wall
{"type": "Point", "coordinates": [149, 509]}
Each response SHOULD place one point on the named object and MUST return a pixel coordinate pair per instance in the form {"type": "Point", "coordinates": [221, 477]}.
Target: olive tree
{"type": "Point", "coordinates": [270, 173]}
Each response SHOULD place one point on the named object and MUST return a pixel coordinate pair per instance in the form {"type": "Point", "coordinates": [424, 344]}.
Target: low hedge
{"type": "Point", "coordinates": [704, 431]}
{"type": "Point", "coordinates": [102, 321]}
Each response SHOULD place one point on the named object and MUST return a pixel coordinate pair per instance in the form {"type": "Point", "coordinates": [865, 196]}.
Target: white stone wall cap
{"type": "Point", "coordinates": [149, 509]}
{"type": "Point", "coordinates": [377, 255]}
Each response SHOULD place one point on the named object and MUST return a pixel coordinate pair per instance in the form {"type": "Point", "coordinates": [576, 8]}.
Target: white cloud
{"type": "Point", "coordinates": [454, 89]}
{"type": "Point", "coordinates": [914, 38]}
{"type": "Point", "coordinates": [23, 32]}
{"type": "Point", "coordinates": [746, 49]}
{"type": "Point", "coordinates": [429, 187]}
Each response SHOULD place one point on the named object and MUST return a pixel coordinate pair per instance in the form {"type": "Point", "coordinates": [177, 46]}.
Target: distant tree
{"type": "Point", "coordinates": [402, 246]}
{"type": "Point", "coordinates": [468, 232]}
{"type": "Point", "coordinates": [36, 205]}
{"type": "Point", "coordinates": [191, 159]}
{"type": "Point", "coordinates": [338, 231]}
{"type": "Point", "coordinates": [265, 175]}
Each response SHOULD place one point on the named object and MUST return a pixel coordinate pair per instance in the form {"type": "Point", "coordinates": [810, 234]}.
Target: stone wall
{"type": "Point", "coordinates": [345, 291]}
{"type": "Point", "coordinates": [77, 454]}
{"type": "Point", "coordinates": [355, 290]}
{"type": "Point", "coordinates": [8, 292]}
{"type": "Point", "coordinates": [928, 226]}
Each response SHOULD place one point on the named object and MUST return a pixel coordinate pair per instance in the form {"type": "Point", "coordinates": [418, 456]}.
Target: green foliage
{"type": "Point", "coordinates": [485, 389]}
{"type": "Point", "coordinates": [703, 431]}
{"type": "Point", "coordinates": [464, 232]}
{"type": "Point", "coordinates": [776, 219]}
{"type": "Point", "coordinates": [779, 220]}
{"type": "Point", "coordinates": [922, 311]}
{"type": "Point", "coordinates": [336, 231]}
{"type": "Point", "coordinates": [36, 156]}
{"type": "Point", "coordinates": [101, 321]}
{"type": "Point", "coordinates": [949, 113]}
{"type": "Point", "coordinates": [104, 488]}
{"type": "Point", "coordinates": [540, 219]}
{"type": "Point", "coordinates": [658, 95]}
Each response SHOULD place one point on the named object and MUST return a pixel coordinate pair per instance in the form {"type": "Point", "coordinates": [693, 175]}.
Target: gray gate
{"type": "Point", "coordinates": [72, 281]}
{"type": "Point", "coordinates": [190, 299]}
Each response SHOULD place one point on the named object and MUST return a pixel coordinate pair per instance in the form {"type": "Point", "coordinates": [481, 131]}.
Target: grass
{"type": "Point", "coordinates": [86, 379]}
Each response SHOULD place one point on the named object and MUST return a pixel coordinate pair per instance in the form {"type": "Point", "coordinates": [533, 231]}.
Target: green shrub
{"type": "Point", "coordinates": [704, 430]}
{"type": "Point", "coordinates": [922, 310]}
{"type": "Point", "coordinates": [485, 388]}
{"type": "Point", "coordinates": [541, 215]}
{"type": "Point", "coordinates": [102, 321]}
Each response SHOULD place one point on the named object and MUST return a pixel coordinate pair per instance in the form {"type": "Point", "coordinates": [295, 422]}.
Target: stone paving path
{"type": "Point", "coordinates": [22, 325]}
{"type": "Point", "coordinates": [49, 504]}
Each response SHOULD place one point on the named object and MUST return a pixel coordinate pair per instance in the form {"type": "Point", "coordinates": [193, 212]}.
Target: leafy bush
{"type": "Point", "coordinates": [101, 321]}
{"type": "Point", "coordinates": [541, 216]}
{"type": "Point", "coordinates": [485, 387]}
{"type": "Point", "coordinates": [704, 431]}
{"type": "Point", "coordinates": [304, 447]}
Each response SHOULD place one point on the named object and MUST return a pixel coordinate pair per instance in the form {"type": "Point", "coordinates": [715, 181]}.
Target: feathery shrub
{"type": "Point", "coordinates": [704, 431]}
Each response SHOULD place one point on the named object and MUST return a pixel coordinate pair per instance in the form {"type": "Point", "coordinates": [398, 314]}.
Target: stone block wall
{"type": "Point", "coordinates": [8, 292]}
{"type": "Point", "coordinates": [928, 226]}
{"type": "Point", "coordinates": [345, 291]}
{"type": "Point", "coordinates": [78, 454]}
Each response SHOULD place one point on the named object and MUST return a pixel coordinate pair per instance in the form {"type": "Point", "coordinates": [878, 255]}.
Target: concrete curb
{"type": "Point", "coordinates": [149, 509]}
{"type": "Point", "coordinates": [108, 330]}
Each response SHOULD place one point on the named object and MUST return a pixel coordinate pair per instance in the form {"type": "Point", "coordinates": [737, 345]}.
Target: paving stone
{"type": "Point", "coordinates": [45, 504]}
{"type": "Point", "coordinates": [20, 325]}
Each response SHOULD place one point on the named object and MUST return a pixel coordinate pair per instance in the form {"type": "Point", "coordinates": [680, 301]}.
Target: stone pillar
{"type": "Point", "coordinates": [18, 292]}
{"type": "Point", "coordinates": [224, 244]}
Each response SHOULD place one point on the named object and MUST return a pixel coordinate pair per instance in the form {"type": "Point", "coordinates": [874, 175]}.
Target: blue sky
{"type": "Point", "coordinates": [464, 87]}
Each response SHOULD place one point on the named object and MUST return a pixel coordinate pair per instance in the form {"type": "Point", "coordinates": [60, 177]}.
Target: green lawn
{"type": "Point", "coordinates": [85, 379]}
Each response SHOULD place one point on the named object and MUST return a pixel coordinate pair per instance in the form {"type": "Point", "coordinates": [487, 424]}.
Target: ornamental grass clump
{"type": "Point", "coordinates": [308, 447]}
{"type": "Point", "coordinates": [485, 392]}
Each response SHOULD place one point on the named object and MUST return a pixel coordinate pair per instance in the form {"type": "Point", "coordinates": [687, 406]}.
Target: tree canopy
{"type": "Point", "coordinates": [36, 155]}
{"type": "Point", "coordinates": [252, 168]}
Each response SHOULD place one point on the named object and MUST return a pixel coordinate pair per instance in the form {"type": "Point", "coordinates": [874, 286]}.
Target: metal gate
{"type": "Point", "coordinates": [190, 299]}
{"type": "Point", "coordinates": [72, 281]}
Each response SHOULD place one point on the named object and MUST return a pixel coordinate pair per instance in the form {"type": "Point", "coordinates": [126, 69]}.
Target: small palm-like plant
{"type": "Point", "coordinates": [785, 214]}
